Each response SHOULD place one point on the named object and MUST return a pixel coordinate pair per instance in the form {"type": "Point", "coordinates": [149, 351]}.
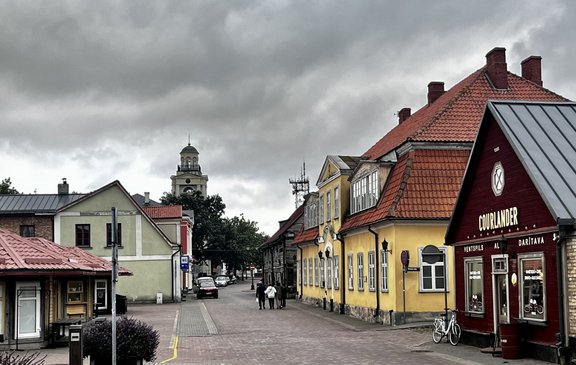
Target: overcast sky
{"type": "Point", "coordinates": [97, 91]}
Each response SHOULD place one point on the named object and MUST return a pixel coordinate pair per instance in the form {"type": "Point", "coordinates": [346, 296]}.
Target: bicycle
{"type": "Point", "coordinates": [452, 331]}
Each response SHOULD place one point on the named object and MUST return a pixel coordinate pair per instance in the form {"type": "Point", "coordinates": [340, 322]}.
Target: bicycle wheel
{"type": "Point", "coordinates": [454, 334]}
{"type": "Point", "coordinates": [437, 332]}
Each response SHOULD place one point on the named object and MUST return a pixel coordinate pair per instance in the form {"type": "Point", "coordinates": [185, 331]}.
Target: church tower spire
{"type": "Point", "coordinates": [189, 176]}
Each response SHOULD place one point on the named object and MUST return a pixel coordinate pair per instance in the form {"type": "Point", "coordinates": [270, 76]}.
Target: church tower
{"type": "Point", "coordinates": [189, 176]}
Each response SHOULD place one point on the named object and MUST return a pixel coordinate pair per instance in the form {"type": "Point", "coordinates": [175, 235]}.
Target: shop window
{"type": "Point", "coordinates": [532, 298]}
{"type": "Point", "coordinates": [432, 275]}
{"type": "Point", "coordinates": [474, 285]}
{"type": "Point", "coordinates": [75, 292]}
{"type": "Point", "coordinates": [336, 272]}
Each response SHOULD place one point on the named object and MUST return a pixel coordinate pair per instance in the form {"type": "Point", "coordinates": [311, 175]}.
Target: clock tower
{"type": "Point", "coordinates": [189, 176]}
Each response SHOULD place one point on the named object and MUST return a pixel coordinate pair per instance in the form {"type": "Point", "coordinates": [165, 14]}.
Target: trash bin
{"type": "Point", "coordinates": [511, 340]}
{"type": "Point", "coordinates": [121, 304]}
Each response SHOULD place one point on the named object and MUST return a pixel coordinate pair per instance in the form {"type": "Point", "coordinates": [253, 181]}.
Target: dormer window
{"type": "Point", "coordinates": [364, 192]}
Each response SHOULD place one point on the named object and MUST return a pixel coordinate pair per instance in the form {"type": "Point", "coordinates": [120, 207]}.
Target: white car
{"type": "Point", "coordinates": [221, 280]}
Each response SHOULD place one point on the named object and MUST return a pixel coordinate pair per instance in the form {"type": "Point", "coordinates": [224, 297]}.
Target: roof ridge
{"type": "Point", "coordinates": [8, 247]}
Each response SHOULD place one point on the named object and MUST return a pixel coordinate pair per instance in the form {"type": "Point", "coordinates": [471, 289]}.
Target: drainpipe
{"type": "Point", "coordinates": [377, 312]}
{"type": "Point", "coordinates": [564, 225]}
{"type": "Point", "coordinates": [301, 274]}
{"type": "Point", "coordinates": [344, 283]}
{"type": "Point", "coordinates": [172, 261]}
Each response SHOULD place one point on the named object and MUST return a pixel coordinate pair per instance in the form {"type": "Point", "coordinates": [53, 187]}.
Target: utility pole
{"type": "Point", "coordinates": [114, 234]}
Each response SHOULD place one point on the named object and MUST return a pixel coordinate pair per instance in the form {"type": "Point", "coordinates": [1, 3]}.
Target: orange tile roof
{"type": "Point", "coordinates": [286, 225]}
{"type": "Point", "coordinates": [166, 211]}
{"type": "Point", "coordinates": [305, 236]}
{"type": "Point", "coordinates": [455, 116]}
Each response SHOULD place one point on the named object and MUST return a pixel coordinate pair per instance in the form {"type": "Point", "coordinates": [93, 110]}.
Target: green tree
{"type": "Point", "coordinates": [6, 187]}
{"type": "Point", "coordinates": [242, 241]}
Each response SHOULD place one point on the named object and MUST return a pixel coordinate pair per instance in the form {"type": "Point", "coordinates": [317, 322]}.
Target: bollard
{"type": "Point", "coordinates": [76, 351]}
{"type": "Point", "coordinates": [324, 303]}
{"type": "Point", "coordinates": [331, 305]}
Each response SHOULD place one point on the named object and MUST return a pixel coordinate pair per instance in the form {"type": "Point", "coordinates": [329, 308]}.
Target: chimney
{"type": "Point", "coordinates": [147, 198]}
{"type": "Point", "coordinates": [496, 67]}
{"type": "Point", "coordinates": [532, 69]}
{"type": "Point", "coordinates": [435, 90]}
{"type": "Point", "coordinates": [63, 188]}
{"type": "Point", "coordinates": [404, 114]}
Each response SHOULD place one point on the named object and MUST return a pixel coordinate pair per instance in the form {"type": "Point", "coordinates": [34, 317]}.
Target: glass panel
{"type": "Point", "coordinates": [439, 283]}
{"type": "Point", "coordinates": [427, 282]}
{"type": "Point", "coordinates": [474, 286]}
{"type": "Point", "coordinates": [27, 316]}
{"type": "Point", "coordinates": [27, 292]}
{"type": "Point", "coordinates": [533, 288]}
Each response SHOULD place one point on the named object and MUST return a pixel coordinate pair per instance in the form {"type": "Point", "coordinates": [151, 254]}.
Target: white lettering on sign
{"type": "Point", "coordinates": [474, 248]}
{"type": "Point", "coordinates": [529, 241]}
{"type": "Point", "coordinates": [499, 219]}
{"type": "Point", "coordinates": [475, 275]}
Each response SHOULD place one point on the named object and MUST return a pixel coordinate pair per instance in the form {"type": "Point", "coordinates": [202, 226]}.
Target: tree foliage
{"type": "Point", "coordinates": [234, 241]}
{"type": "Point", "coordinates": [6, 187]}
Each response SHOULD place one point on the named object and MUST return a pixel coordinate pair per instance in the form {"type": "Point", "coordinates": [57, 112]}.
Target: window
{"type": "Point", "coordinates": [83, 235]}
{"type": "Point", "coordinates": [109, 234]}
{"type": "Point", "coordinates": [304, 269]}
{"type": "Point", "coordinates": [322, 274]}
{"type": "Point", "coordinates": [384, 270]}
{"type": "Point", "coordinates": [336, 202]}
{"type": "Point", "coordinates": [101, 293]}
{"type": "Point", "coordinates": [316, 275]}
{"type": "Point", "coordinates": [371, 271]}
{"type": "Point", "coordinates": [311, 213]}
{"type": "Point", "coordinates": [336, 272]}
{"type": "Point", "coordinates": [321, 209]}
{"type": "Point", "coordinates": [328, 206]}
{"type": "Point", "coordinates": [28, 309]}
{"type": "Point", "coordinates": [350, 272]}
{"type": "Point", "coordinates": [532, 285]}
{"type": "Point", "coordinates": [360, 265]}
{"type": "Point", "coordinates": [310, 276]}
{"type": "Point", "coordinates": [329, 273]}
{"type": "Point", "coordinates": [364, 192]}
{"type": "Point", "coordinates": [27, 231]}
{"type": "Point", "coordinates": [474, 285]}
{"type": "Point", "coordinates": [432, 275]}
{"type": "Point", "coordinates": [75, 292]}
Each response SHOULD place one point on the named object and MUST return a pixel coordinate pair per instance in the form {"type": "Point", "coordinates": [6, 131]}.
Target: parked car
{"type": "Point", "coordinates": [207, 288]}
{"type": "Point", "coordinates": [221, 280]}
{"type": "Point", "coordinates": [233, 279]}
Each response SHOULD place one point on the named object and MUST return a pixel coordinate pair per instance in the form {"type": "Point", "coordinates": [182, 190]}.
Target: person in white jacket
{"type": "Point", "coordinates": [271, 294]}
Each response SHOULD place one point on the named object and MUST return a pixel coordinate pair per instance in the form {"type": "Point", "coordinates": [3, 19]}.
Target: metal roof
{"type": "Point", "coordinates": [35, 203]}
{"type": "Point", "coordinates": [543, 135]}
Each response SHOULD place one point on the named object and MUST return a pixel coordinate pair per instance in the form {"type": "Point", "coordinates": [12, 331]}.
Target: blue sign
{"type": "Point", "coordinates": [184, 262]}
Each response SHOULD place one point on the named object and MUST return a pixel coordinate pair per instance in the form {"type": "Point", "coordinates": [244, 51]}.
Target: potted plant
{"type": "Point", "coordinates": [136, 341]}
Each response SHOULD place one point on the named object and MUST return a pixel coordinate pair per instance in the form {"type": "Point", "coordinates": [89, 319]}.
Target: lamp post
{"type": "Point", "coordinates": [252, 275]}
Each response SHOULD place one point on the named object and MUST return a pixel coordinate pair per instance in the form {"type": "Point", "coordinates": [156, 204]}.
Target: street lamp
{"type": "Point", "coordinates": [252, 275]}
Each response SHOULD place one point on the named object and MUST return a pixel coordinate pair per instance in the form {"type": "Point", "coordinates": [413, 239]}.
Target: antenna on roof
{"type": "Point", "coordinates": [300, 186]}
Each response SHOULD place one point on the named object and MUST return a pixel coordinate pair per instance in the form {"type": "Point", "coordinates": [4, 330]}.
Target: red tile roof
{"type": "Point", "coordinates": [424, 183]}
{"type": "Point", "coordinates": [299, 212]}
{"type": "Point", "coordinates": [19, 254]}
{"type": "Point", "coordinates": [455, 116]}
{"type": "Point", "coordinates": [306, 236]}
{"type": "Point", "coordinates": [164, 212]}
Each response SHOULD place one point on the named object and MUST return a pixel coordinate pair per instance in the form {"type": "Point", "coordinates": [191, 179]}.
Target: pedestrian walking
{"type": "Point", "coordinates": [284, 295]}
{"type": "Point", "coordinates": [279, 295]}
{"type": "Point", "coordinates": [271, 294]}
{"type": "Point", "coordinates": [261, 295]}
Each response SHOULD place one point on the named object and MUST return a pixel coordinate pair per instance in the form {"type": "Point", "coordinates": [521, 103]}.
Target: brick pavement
{"type": "Point", "coordinates": [232, 331]}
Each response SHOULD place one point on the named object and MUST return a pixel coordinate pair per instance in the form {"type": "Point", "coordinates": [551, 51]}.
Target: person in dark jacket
{"type": "Point", "coordinates": [260, 294]}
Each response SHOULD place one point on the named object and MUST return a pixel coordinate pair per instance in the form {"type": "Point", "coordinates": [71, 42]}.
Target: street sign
{"type": "Point", "coordinates": [412, 269]}
{"type": "Point", "coordinates": [184, 262]}
{"type": "Point", "coordinates": [405, 257]}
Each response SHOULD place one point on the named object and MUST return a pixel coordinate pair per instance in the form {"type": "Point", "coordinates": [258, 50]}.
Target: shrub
{"type": "Point", "coordinates": [9, 358]}
{"type": "Point", "coordinates": [135, 339]}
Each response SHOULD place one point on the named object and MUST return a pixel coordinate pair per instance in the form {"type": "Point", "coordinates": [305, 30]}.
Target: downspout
{"type": "Point", "coordinates": [301, 274]}
{"type": "Point", "coordinates": [564, 225]}
{"type": "Point", "coordinates": [173, 269]}
{"type": "Point", "coordinates": [377, 289]}
{"type": "Point", "coordinates": [343, 285]}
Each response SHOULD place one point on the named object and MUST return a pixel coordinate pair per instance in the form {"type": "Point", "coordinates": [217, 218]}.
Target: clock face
{"type": "Point", "coordinates": [498, 179]}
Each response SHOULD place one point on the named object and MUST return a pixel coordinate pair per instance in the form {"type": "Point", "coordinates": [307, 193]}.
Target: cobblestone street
{"type": "Point", "coordinates": [232, 330]}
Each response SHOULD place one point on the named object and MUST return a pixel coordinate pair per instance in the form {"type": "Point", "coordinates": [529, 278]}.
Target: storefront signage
{"type": "Point", "coordinates": [529, 241]}
{"type": "Point", "coordinates": [500, 219]}
{"type": "Point", "coordinates": [474, 248]}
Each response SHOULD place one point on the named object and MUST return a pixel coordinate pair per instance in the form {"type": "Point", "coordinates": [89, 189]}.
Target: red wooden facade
{"type": "Point", "coordinates": [527, 227]}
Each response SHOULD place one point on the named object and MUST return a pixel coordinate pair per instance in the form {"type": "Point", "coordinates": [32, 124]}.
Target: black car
{"type": "Point", "coordinates": [207, 288]}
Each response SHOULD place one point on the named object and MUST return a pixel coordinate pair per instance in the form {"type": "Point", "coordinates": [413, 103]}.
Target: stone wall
{"type": "Point", "coordinates": [571, 283]}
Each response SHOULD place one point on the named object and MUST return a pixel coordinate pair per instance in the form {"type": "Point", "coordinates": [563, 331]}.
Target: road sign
{"type": "Point", "coordinates": [405, 257]}
{"type": "Point", "coordinates": [412, 269]}
{"type": "Point", "coordinates": [184, 262]}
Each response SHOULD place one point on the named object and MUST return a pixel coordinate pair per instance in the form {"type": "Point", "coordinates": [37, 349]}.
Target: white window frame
{"type": "Point", "coordinates": [336, 202]}
{"type": "Point", "coordinates": [329, 273]}
{"type": "Point", "coordinates": [364, 192]}
{"type": "Point", "coordinates": [304, 271]}
{"type": "Point", "coordinates": [474, 305]}
{"type": "Point", "coordinates": [433, 267]}
{"type": "Point", "coordinates": [531, 315]}
{"type": "Point", "coordinates": [321, 209]}
{"type": "Point", "coordinates": [351, 271]}
{"type": "Point", "coordinates": [96, 281]}
{"type": "Point", "coordinates": [322, 273]}
{"type": "Point", "coordinates": [336, 270]}
{"type": "Point", "coordinates": [371, 271]}
{"type": "Point", "coordinates": [316, 272]}
{"type": "Point", "coordinates": [310, 273]}
{"type": "Point", "coordinates": [328, 206]}
{"type": "Point", "coordinates": [360, 266]}
{"type": "Point", "coordinates": [383, 271]}
{"type": "Point", "coordinates": [33, 286]}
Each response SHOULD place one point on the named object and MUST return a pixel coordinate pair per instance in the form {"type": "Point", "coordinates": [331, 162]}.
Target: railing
{"type": "Point", "coordinates": [189, 168]}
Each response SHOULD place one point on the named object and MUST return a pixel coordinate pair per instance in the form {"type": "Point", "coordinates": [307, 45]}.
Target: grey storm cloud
{"type": "Point", "coordinates": [114, 89]}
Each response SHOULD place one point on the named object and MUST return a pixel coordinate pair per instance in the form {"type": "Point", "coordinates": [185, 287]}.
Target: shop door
{"type": "Point", "coordinates": [500, 282]}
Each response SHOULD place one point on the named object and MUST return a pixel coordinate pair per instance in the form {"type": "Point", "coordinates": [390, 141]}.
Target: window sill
{"type": "Point", "coordinates": [85, 247]}
{"type": "Point", "coordinates": [474, 314]}
{"type": "Point", "coordinates": [532, 322]}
